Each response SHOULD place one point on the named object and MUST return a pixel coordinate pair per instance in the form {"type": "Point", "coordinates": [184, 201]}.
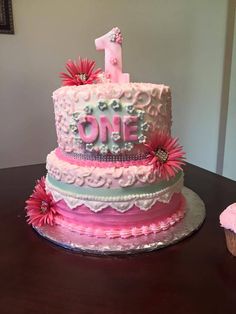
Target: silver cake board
{"type": "Point", "coordinates": [192, 221]}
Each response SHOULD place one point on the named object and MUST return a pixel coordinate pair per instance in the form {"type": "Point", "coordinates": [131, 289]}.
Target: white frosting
{"type": "Point", "coordinates": [93, 176]}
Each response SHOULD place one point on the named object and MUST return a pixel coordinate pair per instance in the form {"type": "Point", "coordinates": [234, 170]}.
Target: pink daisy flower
{"type": "Point", "coordinates": [166, 155]}
{"type": "Point", "coordinates": [40, 206]}
{"type": "Point", "coordinates": [80, 73]}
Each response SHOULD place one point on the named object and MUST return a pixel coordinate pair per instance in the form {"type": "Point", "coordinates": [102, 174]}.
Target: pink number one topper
{"type": "Point", "coordinates": [111, 43]}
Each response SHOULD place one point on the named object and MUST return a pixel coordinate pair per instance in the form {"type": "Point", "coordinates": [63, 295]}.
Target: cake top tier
{"type": "Point", "coordinates": [111, 117]}
{"type": "Point", "coordinates": [101, 116]}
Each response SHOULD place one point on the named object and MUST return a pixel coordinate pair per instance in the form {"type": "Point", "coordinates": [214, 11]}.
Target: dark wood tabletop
{"type": "Point", "coordinates": [197, 275]}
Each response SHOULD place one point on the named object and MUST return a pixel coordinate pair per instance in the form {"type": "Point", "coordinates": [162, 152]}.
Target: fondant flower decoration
{"type": "Point", "coordinates": [145, 126]}
{"type": "Point", "coordinates": [88, 110]}
{"type": "Point", "coordinates": [142, 138]}
{"type": "Point", "coordinates": [115, 105]}
{"type": "Point", "coordinates": [115, 149]}
{"type": "Point", "coordinates": [73, 128]}
{"type": "Point", "coordinates": [115, 35]}
{"type": "Point", "coordinates": [80, 72]}
{"type": "Point", "coordinates": [89, 147]}
{"type": "Point", "coordinates": [103, 149]}
{"type": "Point", "coordinates": [40, 207]}
{"type": "Point", "coordinates": [82, 118]}
{"type": "Point", "coordinates": [129, 146]}
{"type": "Point", "coordinates": [140, 114]}
{"type": "Point", "coordinates": [102, 105]}
{"type": "Point", "coordinates": [79, 116]}
{"type": "Point", "coordinates": [76, 116]}
{"type": "Point", "coordinates": [113, 61]}
{"type": "Point", "coordinates": [166, 155]}
{"type": "Point", "coordinates": [115, 136]}
{"type": "Point", "coordinates": [130, 109]}
{"type": "Point", "coordinates": [78, 140]}
{"type": "Point", "coordinates": [107, 75]}
{"type": "Point", "coordinates": [104, 77]}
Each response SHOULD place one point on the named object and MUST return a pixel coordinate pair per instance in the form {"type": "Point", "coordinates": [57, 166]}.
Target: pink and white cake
{"type": "Point", "coordinates": [117, 172]}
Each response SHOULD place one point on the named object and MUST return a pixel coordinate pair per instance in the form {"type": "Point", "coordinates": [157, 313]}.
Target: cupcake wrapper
{"type": "Point", "coordinates": [231, 241]}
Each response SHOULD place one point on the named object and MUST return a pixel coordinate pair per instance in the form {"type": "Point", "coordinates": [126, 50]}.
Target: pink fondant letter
{"type": "Point", "coordinates": [130, 128]}
{"type": "Point", "coordinates": [94, 130]}
{"type": "Point", "coordinates": [106, 127]}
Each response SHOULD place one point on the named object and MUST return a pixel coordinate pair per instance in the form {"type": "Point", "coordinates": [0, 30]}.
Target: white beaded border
{"type": "Point", "coordinates": [177, 186]}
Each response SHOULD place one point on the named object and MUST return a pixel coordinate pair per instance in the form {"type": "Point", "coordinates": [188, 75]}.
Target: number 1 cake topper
{"type": "Point", "coordinates": [111, 42]}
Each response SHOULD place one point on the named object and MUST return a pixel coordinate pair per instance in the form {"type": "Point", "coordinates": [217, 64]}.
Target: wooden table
{"type": "Point", "coordinates": [198, 275]}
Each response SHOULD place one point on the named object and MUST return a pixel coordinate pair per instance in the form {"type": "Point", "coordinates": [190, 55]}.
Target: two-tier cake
{"type": "Point", "coordinates": [116, 172]}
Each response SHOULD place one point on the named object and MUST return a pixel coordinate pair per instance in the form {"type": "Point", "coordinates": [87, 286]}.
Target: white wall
{"type": "Point", "coordinates": [177, 42]}
{"type": "Point", "coordinates": [230, 143]}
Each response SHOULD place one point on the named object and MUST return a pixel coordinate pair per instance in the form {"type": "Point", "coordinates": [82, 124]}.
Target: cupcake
{"type": "Point", "coordinates": [228, 222]}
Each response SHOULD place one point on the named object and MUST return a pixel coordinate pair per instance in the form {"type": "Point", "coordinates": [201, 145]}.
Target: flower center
{"type": "Point", "coordinates": [162, 155]}
{"type": "Point", "coordinates": [44, 206]}
{"type": "Point", "coordinates": [83, 76]}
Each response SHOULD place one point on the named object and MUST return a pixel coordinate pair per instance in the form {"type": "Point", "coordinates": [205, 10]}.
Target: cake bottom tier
{"type": "Point", "coordinates": [109, 223]}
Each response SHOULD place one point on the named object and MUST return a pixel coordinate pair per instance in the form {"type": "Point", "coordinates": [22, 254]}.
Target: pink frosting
{"type": "Point", "coordinates": [228, 218]}
{"type": "Point", "coordinates": [110, 223]}
{"type": "Point", "coordinates": [130, 129]}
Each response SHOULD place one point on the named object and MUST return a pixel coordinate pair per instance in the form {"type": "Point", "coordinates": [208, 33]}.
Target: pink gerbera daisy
{"type": "Point", "coordinates": [80, 73]}
{"type": "Point", "coordinates": [40, 206]}
{"type": "Point", "coordinates": [166, 155]}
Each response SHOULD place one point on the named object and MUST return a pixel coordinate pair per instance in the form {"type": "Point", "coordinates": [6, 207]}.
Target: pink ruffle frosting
{"type": "Point", "coordinates": [110, 223]}
{"type": "Point", "coordinates": [228, 218]}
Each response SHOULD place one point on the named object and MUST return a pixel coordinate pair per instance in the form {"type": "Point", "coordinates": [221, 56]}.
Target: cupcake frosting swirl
{"type": "Point", "coordinates": [228, 218]}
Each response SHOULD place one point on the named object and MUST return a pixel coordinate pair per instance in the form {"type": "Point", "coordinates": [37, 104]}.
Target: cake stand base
{"type": "Point", "coordinates": [194, 217]}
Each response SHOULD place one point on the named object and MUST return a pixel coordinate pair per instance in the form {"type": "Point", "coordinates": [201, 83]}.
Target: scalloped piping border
{"type": "Point", "coordinates": [121, 204]}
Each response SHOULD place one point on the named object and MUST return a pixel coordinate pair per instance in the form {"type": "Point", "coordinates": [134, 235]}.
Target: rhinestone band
{"type": "Point", "coordinates": [162, 155]}
{"type": "Point", "coordinates": [106, 158]}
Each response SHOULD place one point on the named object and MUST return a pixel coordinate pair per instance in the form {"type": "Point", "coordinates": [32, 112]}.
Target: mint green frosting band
{"type": "Point", "coordinates": [104, 192]}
